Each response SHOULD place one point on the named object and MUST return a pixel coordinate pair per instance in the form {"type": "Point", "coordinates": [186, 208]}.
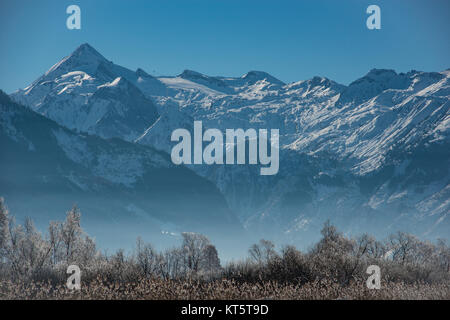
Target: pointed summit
{"type": "Point", "coordinates": [255, 76]}
{"type": "Point", "coordinates": [372, 84]}
{"type": "Point", "coordinates": [86, 49]}
{"type": "Point", "coordinates": [84, 58]}
{"type": "Point", "coordinates": [320, 86]}
{"type": "Point", "coordinates": [142, 74]}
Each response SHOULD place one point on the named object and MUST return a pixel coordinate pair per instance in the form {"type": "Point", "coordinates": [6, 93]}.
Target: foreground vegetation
{"type": "Point", "coordinates": [33, 266]}
{"type": "Point", "coordinates": [159, 289]}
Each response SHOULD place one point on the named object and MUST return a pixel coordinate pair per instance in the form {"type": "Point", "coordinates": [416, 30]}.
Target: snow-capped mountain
{"type": "Point", "coordinates": [371, 156]}
{"type": "Point", "coordinates": [88, 93]}
{"type": "Point", "coordinates": [45, 168]}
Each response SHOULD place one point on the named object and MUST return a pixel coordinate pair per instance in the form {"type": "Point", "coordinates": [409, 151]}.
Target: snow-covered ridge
{"type": "Point", "coordinates": [44, 166]}
{"type": "Point", "coordinates": [88, 93]}
{"type": "Point", "coordinates": [332, 136]}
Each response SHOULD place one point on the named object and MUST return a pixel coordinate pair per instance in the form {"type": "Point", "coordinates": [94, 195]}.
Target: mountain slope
{"type": "Point", "coordinates": [45, 168]}
{"type": "Point", "coordinates": [371, 156]}
{"type": "Point", "coordinates": [88, 93]}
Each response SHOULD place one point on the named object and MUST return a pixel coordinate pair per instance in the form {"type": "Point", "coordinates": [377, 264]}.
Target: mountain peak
{"type": "Point", "coordinates": [85, 52]}
{"type": "Point", "coordinates": [141, 73]}
{"type": "Point", "coordinates": [254, 76]}
{"type": "Point", "coordinates": [380, 74]}
{"type": "Point", "coordinates": [86, 49]}
{"type": "Point", "coordinates": [372, 84]}
{"type": "Point", "coordinates": [320, 81]}
{"type": "Point", "coordinates": [186, 74]}
{"type": "Point", "coordinates": [4, 98]}
{"type": "Point", "coordinates": [84, 58]}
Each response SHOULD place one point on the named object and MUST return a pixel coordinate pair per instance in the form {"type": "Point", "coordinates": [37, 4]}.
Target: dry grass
{"type": "Point", "coordinates": [33, 266]}
{"type": "Point", "coordinates": [157, 289]}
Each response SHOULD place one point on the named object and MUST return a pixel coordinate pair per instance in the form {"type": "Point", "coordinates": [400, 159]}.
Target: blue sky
{"type": "Point", "coordinates": [292, 40]}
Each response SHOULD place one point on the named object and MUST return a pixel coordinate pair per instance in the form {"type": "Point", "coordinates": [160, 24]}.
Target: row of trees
{"type": "Point", "coordinates": [27, 254]}
{"type": "Point", "coordinates": [195, 257]}
{"type": "Point", "coordinates": [402, 257]}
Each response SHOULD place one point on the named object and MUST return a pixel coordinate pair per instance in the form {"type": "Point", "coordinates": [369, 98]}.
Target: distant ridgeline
{"type": "Point", "coordinates": [371, 156]}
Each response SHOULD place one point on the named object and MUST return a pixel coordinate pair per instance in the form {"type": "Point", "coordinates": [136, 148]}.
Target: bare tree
{"type": "Point", "coordinates": [55, 239]}
{"type": "Point", "coordinates": [87, 253]}
{"type": "Point", "coordinates": [211, 261]}
{"type": "Point", "coordinates": [376, 249]}
{"type": "Point", "coordinates": [171, 263]}
{"type": "Point", "coordinates": [332, 255]}
{"type": "Point", "coordinates": [27, 252]}
{"type": "Point", "coordinates": [193, 248]}
{"type": "Point", "coordinates": [4, 230]}
{"type": "Point", "coordinates": [71, 233]}
{"type": "Point", "coordinates": [402, 245]}
{"type": "Point", "coordinates": [146, 257]}
{"type": "Point", "coordinates": [443, 255]}
{"type": "Point", "coordinates": [263, 251]}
